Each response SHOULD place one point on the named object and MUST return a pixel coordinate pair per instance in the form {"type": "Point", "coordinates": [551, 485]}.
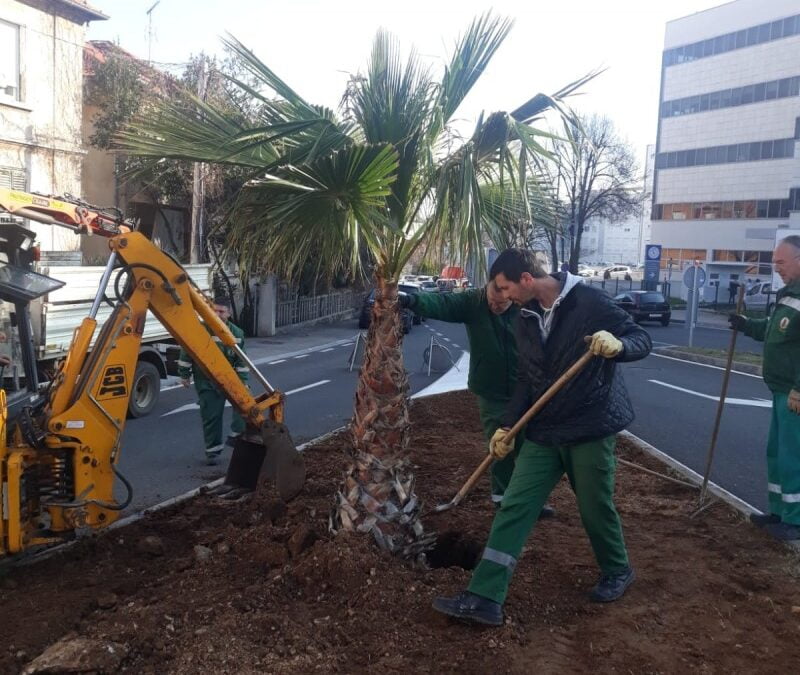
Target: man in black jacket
{"type": "Point", "coordinates": [573, 434]}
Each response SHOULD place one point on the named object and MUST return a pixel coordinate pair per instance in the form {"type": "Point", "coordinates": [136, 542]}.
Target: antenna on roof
{"type": "Point", "coordinates": [149, 13]}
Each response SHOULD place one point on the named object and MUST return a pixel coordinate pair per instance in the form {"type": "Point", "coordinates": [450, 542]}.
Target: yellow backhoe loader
{"type": "Point", "coordinates": [60, 441]}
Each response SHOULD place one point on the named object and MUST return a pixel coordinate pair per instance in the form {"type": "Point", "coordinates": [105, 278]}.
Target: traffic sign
{"type": "Point", "coordinates": [689, 277]}
{"type": "Point", "coordinates": [652, 262]}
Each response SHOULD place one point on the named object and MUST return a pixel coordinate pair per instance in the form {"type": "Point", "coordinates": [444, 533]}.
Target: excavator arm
{"type": "Point", "coordinates": [58, 469]}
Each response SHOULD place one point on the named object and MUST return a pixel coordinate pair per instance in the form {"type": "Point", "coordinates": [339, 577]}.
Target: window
{"type": "Point", "coordinates": [772, 90]}
{"type": "Point", "coordinates": [774, 208]}
{"type": "Point", "coordinates": [784, 86]}
{"type": "Point", "coordinates": [9, 61]}
{"type": "Point", "coordinates": [766, 150]}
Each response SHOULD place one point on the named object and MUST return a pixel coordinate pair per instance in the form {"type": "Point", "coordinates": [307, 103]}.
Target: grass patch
{"type": "Point", "coordinates": [742, 357]}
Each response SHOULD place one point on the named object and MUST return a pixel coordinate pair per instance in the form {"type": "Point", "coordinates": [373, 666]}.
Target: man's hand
{"type": "Point", "coordinates": [5, 360]}
{"type": "Point", "coordinates": [185, 381]}
{"type": "Point", "coordinates": [498, 446]}
{"type": "Point", "coordinates": [737, 321]}
{"type": "Point", "coordinates": [406, 300]}
{"type": "Point", "coordinates": [794, 401]}
{"type": "Point", "coordinates": [605, 344]}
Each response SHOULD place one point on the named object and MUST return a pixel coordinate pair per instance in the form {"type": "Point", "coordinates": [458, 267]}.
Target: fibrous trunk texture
{"type": "Point", "coordinates": [377, 495]}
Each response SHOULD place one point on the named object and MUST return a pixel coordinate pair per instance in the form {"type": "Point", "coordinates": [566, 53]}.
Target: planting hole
{"type": "Point", "coordinates": [454, 549]}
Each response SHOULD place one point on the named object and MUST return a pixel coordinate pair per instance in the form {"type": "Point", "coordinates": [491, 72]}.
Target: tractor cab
{"type": "Point", "coordinates": [19, 284]}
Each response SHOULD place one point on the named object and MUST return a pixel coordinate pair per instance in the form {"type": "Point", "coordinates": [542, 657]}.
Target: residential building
{"type": "Point", "coordinates": [41, 75]}
{"type": "Point", "coordinates": [727, 172]}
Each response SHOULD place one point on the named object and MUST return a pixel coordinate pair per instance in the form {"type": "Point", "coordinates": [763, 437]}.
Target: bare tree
{"type": "Point", "coordinates": [596, 177]}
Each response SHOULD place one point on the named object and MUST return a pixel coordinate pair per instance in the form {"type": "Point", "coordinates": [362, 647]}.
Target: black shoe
{"type": "Point", "coordinates": [783, 531]}
{"type": "Point", "coordinates": [761, 519]}
{"type": "Point", "coordinates": [471, 607]}
{"type": "Point", "coordinates": [612, 586]}
{"type": "Point", "coordinates": [547, 512]}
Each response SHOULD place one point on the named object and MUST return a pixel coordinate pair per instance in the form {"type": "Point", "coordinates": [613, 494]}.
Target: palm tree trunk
{"type": "Point", "coordinates": [377, 495]}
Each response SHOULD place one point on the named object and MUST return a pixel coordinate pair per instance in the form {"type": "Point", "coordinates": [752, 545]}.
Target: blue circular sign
{"type": "Point", "coordinates": [654, 252]}
{"type": "Point", "coordinates": [689, 277]}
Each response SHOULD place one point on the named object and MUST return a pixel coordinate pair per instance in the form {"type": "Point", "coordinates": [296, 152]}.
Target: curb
{"type": "Point", "coordinates": [750, 368]}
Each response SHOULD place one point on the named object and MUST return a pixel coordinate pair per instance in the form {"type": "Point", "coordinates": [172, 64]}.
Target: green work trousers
{"type": "Point", "coordinates": [491, 413]}
{"type": "Point", "coordinates": [783, 461]}
{"type": "Point", "coordinates": [212, 411]}
{"type": "Point", "coordinates": [590, 468]}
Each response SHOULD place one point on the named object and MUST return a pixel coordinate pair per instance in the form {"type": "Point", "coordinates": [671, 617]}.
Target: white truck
{"type": "Point", "coordinates": [55, 316]}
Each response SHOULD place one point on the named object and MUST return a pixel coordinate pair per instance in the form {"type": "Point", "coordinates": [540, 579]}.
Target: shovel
{"type": "Point", "coordinates": [554, 388]}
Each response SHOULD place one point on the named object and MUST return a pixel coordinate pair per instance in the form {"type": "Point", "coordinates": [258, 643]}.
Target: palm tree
{"type": "Point", "coordinates": [386, 174]}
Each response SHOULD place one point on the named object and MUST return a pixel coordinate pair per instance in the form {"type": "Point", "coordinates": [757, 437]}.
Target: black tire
{"type": "Point", "coordinates": [145, 390]}
{"type": "Point", "coordinates": [417, 320]}
{"type": "Point", "coordinates": [665, 321]}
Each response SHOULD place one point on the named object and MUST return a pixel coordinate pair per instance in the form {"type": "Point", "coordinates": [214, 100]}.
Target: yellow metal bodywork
{"type": "Point", "coordinates": [86, 412]}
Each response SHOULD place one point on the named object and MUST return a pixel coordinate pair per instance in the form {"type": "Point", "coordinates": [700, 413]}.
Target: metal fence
{"type": "Point", "coordinates": [616, 286]}
{"type": "Point", "coordinates": [306, 309]}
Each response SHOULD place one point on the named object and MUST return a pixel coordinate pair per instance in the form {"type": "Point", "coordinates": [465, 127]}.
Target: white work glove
{"type": "Point", "coordinates": [794, 401]}
{"type": "Point", "coordinates": [185, 381]}
{"type": "Point", "coordinates": [498, 446]}
{"type": "Point", "coordinates": [605, 344]}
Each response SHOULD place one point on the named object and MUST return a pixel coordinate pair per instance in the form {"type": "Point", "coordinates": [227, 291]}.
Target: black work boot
{"type": "Point", "coordinates": [783, 531]}
{"type": "Point", "coordinates": [761, 519]}
{"type": "Point", "coordinates": [612, 586]}
{"type": "Point", "coordinates": [547, 512]}
{"type": "Point", "coordinates": [471, 607]}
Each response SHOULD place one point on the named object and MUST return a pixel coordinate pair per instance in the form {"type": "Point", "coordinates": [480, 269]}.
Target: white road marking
{"type": "Point", "coordinates": [196, 406]}
{"type": "Point", "coordinates": [755, 403]}
{"type": "Point", "coordinates": [329, 349]}
{"type": "Point", "coordinates": [308, 386]}
{"type": "Point", "coordinates": [447, 340]}
{"type": "Point", "coordinates": [704, 365]}
{"type": "Point", "coordinates": [302, 356]}
{"type": "Point", "coordinates": [437, 332]}
{"type": "Point", "coordinates": [457, 346]}
{"type": "Point", "coordinates": [274, 363]}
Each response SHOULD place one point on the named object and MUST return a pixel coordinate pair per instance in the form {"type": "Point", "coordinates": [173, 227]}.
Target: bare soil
{"type": "Point", "coordinates": [276, 593]}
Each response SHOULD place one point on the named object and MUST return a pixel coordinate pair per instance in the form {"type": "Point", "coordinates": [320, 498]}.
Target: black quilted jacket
{"type": "Point", "coordinates": [595, 403]}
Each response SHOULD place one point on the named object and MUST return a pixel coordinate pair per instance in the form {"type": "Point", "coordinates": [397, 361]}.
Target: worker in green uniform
{"type": "Point", "coordinates": [490, 323]}
{"type": "Point", "coordinates": [211, 400]}
{"type": "Point", "coordinates": [780, 334]}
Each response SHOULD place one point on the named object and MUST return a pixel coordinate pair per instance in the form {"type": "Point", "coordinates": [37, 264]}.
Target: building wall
{"type": "Point", "coordinates": [742, 245]}
{"type": "Point", "coordinates": [41, 133]}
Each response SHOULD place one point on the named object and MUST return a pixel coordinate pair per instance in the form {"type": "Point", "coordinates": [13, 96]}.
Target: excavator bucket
{"type": "Point", "coordinates": [275, 458]}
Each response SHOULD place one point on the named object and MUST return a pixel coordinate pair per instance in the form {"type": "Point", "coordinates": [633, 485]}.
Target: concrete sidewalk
{"type": "Point", "coordinates": [301, 340]}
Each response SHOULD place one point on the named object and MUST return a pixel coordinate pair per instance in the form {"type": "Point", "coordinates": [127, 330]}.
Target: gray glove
{"type": "Point", "coordinates": [737, 321]}
{"type": "Point", "coordinates": [406, 300]}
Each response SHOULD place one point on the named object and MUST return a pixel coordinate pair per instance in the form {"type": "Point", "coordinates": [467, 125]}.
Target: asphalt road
{"type": "Point", "coordinates": [162, 454]}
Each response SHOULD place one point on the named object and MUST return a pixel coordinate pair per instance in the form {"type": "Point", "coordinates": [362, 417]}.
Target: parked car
{"type": "Point", "coordinates": [586, 271]}
{"type": "Point", "coordinates": [429, 287]}
{"type": "Point", "coordinates": [366, 314]}
{"type": "Point", "coordinates": [617, 272]}
{"type": "Point", "coordinates": [645, 306]}
{"type": "Point", "coordinates": [760, 294]}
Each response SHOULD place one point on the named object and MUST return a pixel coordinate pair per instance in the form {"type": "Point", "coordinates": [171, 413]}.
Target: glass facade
{"type": "Point", "coordinates": [747, 37]}
{"type": "Point", "coordinates": [780, 148]}
{"type": "Point", "coordinates": [729, 98]}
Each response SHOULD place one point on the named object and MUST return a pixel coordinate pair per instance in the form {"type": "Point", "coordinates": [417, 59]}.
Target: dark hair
{"type": "Point", "coordinates": [513, 262]}
{"type": "Point", "coordinates": [793, 239]}
{"type": "Point", "coordinates": [222, 300]}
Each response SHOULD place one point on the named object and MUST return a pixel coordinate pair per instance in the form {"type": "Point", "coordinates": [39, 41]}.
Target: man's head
{"type": "Point", "coordinates": [514, 274]}
{"type": "Point", "coordinates": [222, 307]}
{"type": "Point", "coordinates": [497, 303]}
{"type": "Point", "coordinates": [786, 259]}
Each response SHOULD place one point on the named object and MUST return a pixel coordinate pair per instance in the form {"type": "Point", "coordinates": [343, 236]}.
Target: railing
{"type": "Point", "coordinates": [316, 308]}
{"type": "Point", "coordinates": [615, 286]}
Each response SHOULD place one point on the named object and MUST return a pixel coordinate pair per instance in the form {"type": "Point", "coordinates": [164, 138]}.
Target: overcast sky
{"type": "Point", "coordinates": [314, 44]}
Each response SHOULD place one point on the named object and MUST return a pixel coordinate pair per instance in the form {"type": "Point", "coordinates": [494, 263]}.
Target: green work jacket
{"type": "Point", "coordinates": [780, 334]}
{"type": "Point", "coordinates": [186, 368]}
{"type": "Point", "coordinates": [493, 351]}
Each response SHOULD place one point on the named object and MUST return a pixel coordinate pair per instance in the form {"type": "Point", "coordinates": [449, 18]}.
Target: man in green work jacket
{"type": "Point", "coordinates": [490, 322]}
{"type": "Point", "coordinates": [781, 336]}
{"type": "Point", "coordinates": [211, 400]}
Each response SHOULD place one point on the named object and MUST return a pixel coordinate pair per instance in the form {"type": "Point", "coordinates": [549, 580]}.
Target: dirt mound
{"type": "Point", "coordinates": [258, 587]}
